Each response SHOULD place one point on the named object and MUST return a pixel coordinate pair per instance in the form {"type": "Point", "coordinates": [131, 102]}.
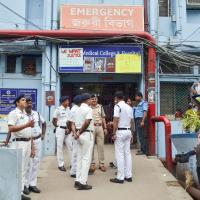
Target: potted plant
{"type": "Point", "coordinates": [187, 141]}
{"type": "Point", "coordinates": [191, 121]}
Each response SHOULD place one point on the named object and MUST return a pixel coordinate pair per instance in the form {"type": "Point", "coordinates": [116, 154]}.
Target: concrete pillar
{"type": "Point", "coordinates": [153, 18]}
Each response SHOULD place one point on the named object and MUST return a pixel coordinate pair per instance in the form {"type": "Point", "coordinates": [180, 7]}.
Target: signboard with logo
{"type": "Point", "coordinates": [50, 98]}
{"type": "Point", "coordinates": [102, 17]}
{"type": "Point", "coordinates": [8, 95]}
{"type": "Point", "coordinates": [101, 59]}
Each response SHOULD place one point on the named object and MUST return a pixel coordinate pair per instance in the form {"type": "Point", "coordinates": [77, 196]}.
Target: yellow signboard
{"type": "Point", "coordinates": [128, 63]}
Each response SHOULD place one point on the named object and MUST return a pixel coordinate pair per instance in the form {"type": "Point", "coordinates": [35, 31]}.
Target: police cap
{"type": "Point", "coordinates": [18, 98]}
{"type": "Point", "coordinates": [77, 99]}
{"type": "Point", "coordinates": [63, 98]}
{"type": "Point", "coordinates": [93, 95]}
{"type": "Point", "coordinates": [28, 99]}
{"type": "Point", "coordinates": [85, 96]}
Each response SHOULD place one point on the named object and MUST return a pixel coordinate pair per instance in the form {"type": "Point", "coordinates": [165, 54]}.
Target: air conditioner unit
{"type": "Point", "coordinates": [193, 4]}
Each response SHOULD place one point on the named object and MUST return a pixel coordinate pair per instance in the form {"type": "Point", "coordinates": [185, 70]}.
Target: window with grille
{"type": "Point", "coordinates": [29, 65]}
{"type": "Point", "coordinates": [11, 64]}
{"type": "Point", "coordinates": [164, 8]}
{"type": "Point", "coordinates": [174, 97]}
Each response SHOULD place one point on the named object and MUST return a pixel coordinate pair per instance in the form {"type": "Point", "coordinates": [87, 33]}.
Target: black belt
{"type": "Point", "coordinates": [63, 127]}
{"type": "Point", "coordinates": [84, 130]}
{"type": "Point", "coordinates": [37, 137]}
{"type": "Point", "coordinates": [120, 129]}
{"type": "Point", "coordinates": [97, 124]}
{"type": "Point", "coordinates": [22, 139]}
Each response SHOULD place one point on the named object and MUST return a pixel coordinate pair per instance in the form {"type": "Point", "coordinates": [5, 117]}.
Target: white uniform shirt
{"type": "Point", "coordinates": [84, 112]}
{"type": "Point", "coordinates": [63, 115]}
{"type": "Point", "coordinates": [38, 119]}
{"type": "Point", "coordinates": [16, 118]}
{"type": "Point", "coordinates": [74, 113]}
{"type": "Point", "coordinates": [125, 114]}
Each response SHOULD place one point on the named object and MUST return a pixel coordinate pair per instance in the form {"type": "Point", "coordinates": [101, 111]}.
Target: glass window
{"type": "Point", "coordinates": [29, 65]}
{"type": "Point", "coordinates": [164, 8]}
{"type": "Point", "coordinates": [11, 64]}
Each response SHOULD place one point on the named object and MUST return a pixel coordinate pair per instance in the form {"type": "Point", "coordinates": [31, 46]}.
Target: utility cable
{"type": "Point", "coordinates": [20, 16]}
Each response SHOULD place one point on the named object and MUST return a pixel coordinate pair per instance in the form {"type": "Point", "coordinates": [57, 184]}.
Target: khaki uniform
{"type": "Point", "coordinates": [98, 115]}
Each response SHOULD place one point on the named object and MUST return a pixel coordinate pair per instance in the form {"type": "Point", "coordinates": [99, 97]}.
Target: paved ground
{"type": "Point", "coordinates": [151, 182]}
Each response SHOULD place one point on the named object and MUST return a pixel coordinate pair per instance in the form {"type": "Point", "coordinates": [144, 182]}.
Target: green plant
{"type": "Point", "coordinates": [191, 121]}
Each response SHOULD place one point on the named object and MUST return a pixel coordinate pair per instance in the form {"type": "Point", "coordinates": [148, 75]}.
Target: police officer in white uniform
{"type": "Point", "coordinates": [20, 126]}
{"type": "Point", "coordinates": [85, 139]}
{"type": "Point", "coordinates": [74, 113]}
{"type": "Point", "coordinates": [123, 116]}
{"type": "Point", "coordinates": [61, 119]}
{"type": "Point", "coordinates": [38, 136]}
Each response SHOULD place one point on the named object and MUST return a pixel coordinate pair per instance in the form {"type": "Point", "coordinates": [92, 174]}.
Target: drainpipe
{"type": "Point", "coordinates": [151, 62]}
{"type": "Point", "coordinates": [153, 18]}
{"type": "Point", "coordinates": [168, 146]}
{"type": "Point", "coordinates": [146, 21]}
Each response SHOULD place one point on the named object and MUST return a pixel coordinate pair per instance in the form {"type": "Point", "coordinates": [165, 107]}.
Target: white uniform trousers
{"type": "Point", "coordinates": [123, 154]}
{"type": "Point", "coordinates": [74, 156]}
{"type": "Point", "coordinates": [26, 153]}
{"type": "Point", "coordinates": [31, 176]}
{"type": "Point", "coordinates": [84, 156]}
{"type": "Point", "coordinates": [62, 139]}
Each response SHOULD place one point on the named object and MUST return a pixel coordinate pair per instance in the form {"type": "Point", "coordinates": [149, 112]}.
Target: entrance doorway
{"type": "Point", "coordinates": [104, 91]}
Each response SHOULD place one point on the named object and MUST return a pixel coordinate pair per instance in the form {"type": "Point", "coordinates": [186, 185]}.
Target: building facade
{"type": "Point", "coordinates": [32, 66]}
{"type": "Point", "coordinates": [174, 24]}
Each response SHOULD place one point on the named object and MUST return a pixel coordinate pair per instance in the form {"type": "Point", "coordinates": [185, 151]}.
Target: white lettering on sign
{"type": "Point", "coordinates": [125, 12]}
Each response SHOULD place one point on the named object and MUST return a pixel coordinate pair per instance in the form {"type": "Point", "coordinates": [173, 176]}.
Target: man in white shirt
{"type": "Point", "coordinates": [83, 128]}
{"type": "Point", "coordinates": [123, 115]}
{"type": "Point", "coordinates": [20, 126]}
{"type": "Point", "coordinates": [61, 119]}
{"type": "Point", "coordinates": [74, 113]}
{"type": "Point", "coordinates": [38, 133]}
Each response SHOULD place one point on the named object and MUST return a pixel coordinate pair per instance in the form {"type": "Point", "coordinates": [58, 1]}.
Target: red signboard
{"type": "Point", "coordinates": [102, 18]}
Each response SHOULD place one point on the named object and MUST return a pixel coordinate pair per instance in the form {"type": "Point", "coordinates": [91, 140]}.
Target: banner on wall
{"type": "Point", "coordinates": [102, 18]}
{"type": "Point", "coordinates": [8, 95]}
{"type": "Point", "coordinates": [101, 59]}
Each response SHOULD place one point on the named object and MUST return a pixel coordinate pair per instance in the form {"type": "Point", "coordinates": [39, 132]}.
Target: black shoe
{"type": "Point", "coordinates": [34, 189]}
{"type": "Point", "coordinates": [25, 198]}
{"type": "Point", "coordinates": [26, 190]}
{"type": "Point", "coordinates": [76, 184]}
{"type": "Point", "coordinates": [128, 179]}
{"type": "Point", "coordinates": [73, 175]}
{"type": "Point", "coordinates": [62, 169]}
{"type": "Point", "coordinates": [140, 153]}
{"type": "Point", "coordinates": [115, 180]}
{"type": "Point", "coordinates": [111, 164]}
{"type": "Point", "coordinates": [84, 187]}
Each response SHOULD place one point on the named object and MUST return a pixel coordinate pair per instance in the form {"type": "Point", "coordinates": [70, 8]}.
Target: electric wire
{"type": "Point", "coordinates": [168, 54]}
{"type": "Point", "coordinates": [20, 16]}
